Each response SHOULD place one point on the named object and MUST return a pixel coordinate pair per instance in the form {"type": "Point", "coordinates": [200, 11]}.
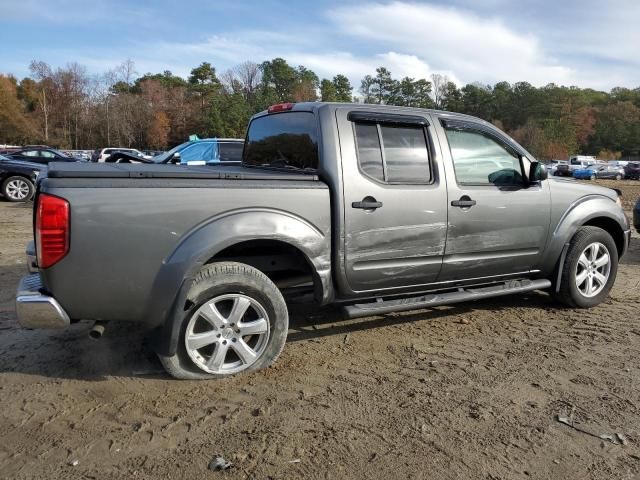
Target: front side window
{"type": "Point", "coordinates": [393, 153]}
{"type": "Point", "coordinates": [197, 151]}
{"type": "Point", "coordinates": [47, 154]}
{"type": "Point", "coordinates": [479, 159]}
{"type": "Point", "coordinates": [283, 140]}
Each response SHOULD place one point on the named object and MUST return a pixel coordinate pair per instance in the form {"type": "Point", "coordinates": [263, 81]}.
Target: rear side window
{"type": "Point", "coordinates": [283, 140]}
{"type": "Point", "coordinates": [393, 153]}
{"type": "Point", "coordinates": [369, 150]}
{"type": "Point", "coordinates": [230, 152]}
{"type": "Point", "coordinates": [406, 154]}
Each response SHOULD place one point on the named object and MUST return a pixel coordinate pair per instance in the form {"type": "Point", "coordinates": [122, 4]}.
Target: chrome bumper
{"type": "Point", "coordinates": [35, 310]}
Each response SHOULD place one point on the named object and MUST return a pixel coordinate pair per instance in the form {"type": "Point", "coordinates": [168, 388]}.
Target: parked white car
{"type": "Point", "coordinates": [619, 163]}
{"type": "Point", "coordinates": [101, 155]}
{"type": "Point", "coordinates": [552, 166]}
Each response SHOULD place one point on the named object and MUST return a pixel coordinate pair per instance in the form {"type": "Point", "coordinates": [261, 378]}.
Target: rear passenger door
{"type": "Point", "coordinates": [394, 200]}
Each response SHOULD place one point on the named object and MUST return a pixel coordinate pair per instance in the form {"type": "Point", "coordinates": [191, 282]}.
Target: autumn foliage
{"type": "Point", "coordinates": [68, 108]}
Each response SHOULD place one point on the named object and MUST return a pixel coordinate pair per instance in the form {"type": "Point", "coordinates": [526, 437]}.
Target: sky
{"type": "Point", "coordinates": [586, 43]}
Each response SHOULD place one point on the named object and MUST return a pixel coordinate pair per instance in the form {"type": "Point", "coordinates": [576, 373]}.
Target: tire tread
{"type": "Point", "coordinates": [207, 276]}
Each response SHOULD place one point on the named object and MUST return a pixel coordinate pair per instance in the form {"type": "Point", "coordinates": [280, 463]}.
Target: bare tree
{"type": "Point", "coordinates": [250, 76]}
{"type": "Point", "coordinates": [74, 82]}
{"type": "Point", "coordinates": [230, 82]}
{"type": "Point", "coordinates": [439, 83]}
{"type": "Point", "coordinates": [42, 72]}
{"type": "Point", "coordinates": [126, 71]}
{"type": "Point", "coordinates": [119, 100]}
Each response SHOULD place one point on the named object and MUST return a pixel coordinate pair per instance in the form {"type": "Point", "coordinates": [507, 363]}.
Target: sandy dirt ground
{"type": "Point", "coordinates": [464, 392]}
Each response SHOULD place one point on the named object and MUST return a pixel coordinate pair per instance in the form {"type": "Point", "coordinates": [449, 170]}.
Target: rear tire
{"type": "Point", "coordinates": [592, 177]}
{"type": "Point", "coordinates": [225, 331]}
{"type": "Point", "coordinates": [583, 268]}
{"type": "Point", "coordinates": [618, 177]}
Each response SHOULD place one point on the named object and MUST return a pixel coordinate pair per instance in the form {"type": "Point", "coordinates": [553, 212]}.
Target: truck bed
{"type": "Point", "coordinates": [138, 214]}
{"type": "Point", "coordinates": [145, 170]}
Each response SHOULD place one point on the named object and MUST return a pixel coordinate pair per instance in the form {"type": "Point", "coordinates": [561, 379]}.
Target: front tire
{"type": "Point", "coordinates": [592, 178]}
{"type": "Point", "coordinates": [238, 322]}
{"type": "Point", "coordinates": [17, 189]}
{"type": "Point", "coordinates": [589, 269]}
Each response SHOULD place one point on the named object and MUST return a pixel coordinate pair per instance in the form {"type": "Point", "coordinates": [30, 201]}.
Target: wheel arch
{"type": "Point", "coordinates": [250, 235]}
{"type": "Point", "coordinates": [612, 227]}
{"type": "Point", "coordinates": [593, 210]}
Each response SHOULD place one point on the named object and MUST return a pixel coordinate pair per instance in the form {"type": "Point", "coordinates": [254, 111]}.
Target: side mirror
{"type": "Point", "coordinates": [176, 158]}
{"type": "Point", "coordinates": [537, 172]}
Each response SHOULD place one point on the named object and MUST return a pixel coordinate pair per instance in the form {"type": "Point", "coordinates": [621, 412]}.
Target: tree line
{"type": "Point", "coordinates": [68, 108]}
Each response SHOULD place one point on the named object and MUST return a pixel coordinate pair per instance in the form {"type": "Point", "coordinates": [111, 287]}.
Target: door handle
{"type": "Point", "coordinates": [464, 202]}
{"type": "Point", "coordinates": [367, 203]}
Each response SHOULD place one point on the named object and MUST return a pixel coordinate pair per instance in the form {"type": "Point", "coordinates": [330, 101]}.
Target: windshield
{"type": "Point", "coordinates": [2, 157]}
{"type": "Point", "coordinates": [59, 153]}
{"type": "Point", "coordinates": [163, 157]}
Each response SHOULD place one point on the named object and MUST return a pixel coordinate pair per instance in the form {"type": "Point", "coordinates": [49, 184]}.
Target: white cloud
{"type": "Point", "coordinates": [227, 50]}
{"type": "Point", "coordinates": [572, 42]}
{"type": "Point", "coordinates": [474, 47]}
{"type": "Point", "coordinates": [356, 67]}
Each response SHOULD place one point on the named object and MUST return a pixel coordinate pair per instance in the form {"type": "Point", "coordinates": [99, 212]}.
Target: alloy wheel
{"type": "Point", "coordinates": [593, 269]}
{"type": "Point", "coordinates": [227, 334]}
{"type": "Point", "coordinates": [17, 189]}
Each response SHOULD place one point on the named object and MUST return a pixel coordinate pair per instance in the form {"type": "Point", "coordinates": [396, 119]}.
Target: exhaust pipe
{"type": "Point", "coordinates": [97, 330]}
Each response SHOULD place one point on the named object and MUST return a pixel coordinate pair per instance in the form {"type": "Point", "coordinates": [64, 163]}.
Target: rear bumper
{"type": "Point", "coordinates": [35, 309]}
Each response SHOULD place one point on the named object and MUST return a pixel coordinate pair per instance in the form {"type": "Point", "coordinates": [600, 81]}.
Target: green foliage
{"type": "Point", "coordinates": [166, 79]}
{"type": "Point", "coordinates": [328, 91]}
{"type": "Point", "coordinates": [337, 90]}
{"type": "Point", "coordinates": [343, 88]}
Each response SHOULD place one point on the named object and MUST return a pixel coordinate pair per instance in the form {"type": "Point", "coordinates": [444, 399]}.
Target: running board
{"type": "Point", "coordinates": [434, 299]}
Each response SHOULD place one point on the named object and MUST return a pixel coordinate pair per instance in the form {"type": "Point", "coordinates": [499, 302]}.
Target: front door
{"type": "Point", "coordinates": [395, 211]}
{"type": "Point", "coordinates": [497, 225]}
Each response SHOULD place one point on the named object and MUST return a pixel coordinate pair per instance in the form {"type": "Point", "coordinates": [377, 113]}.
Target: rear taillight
{"type": "Point", "coordinates": [52, 229]}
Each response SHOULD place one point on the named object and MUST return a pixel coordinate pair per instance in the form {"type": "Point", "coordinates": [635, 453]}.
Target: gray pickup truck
{"type": "Point", "coordinates": [374, 208]}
